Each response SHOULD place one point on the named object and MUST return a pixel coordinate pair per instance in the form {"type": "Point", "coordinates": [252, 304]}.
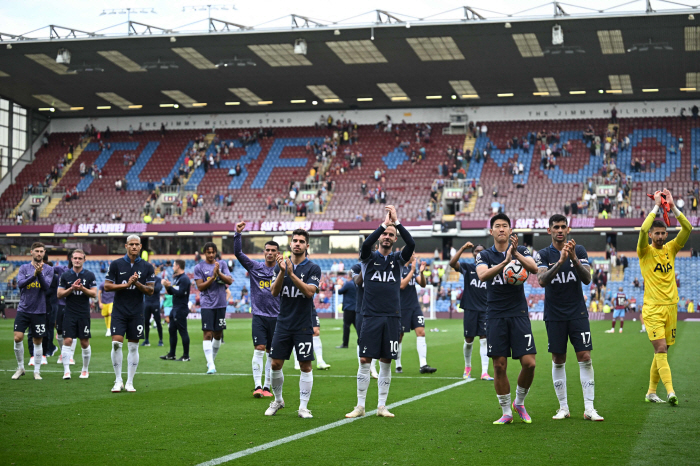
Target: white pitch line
{"type": "Point", "coordinates": [294, 374]}
{"type": "Point", "coordinates": [332, 425]}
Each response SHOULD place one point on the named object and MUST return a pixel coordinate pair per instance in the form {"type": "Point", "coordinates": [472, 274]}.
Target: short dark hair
{"type": "Point", "coordinates": [500, 216]}
{"type": "Point", "coordinates": [557, 218]}
{"type": "Point", "coordinates": [180, 263]}
{"type": "Point", "coordinates": [273, 243]}
{"type": "Point", "coordinates": [80, 251]}
{"type": "Point", "coordinates": [209, 245]}
{"type": "Point", "coordinates": [301, 232]}
{"type": "Point", "coordinates": [654, 224]}
{"type": "Point", "coordinates": [37, 245]}
{"type": "Point", "coordinates": [69, 256]}
{"type": "Point", "coordinates": [478, 246]}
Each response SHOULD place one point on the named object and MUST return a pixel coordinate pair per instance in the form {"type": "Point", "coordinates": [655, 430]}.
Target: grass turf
{"type": "Point", "coordinates": [181, 416]}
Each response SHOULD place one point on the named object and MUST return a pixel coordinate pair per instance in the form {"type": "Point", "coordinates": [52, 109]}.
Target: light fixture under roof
{"type": "Point", "coordinates": [246, 95]}
{"type": "Point", "coordinates": [577, 92]}
{"type": "Point", "coordinates": [546, 87]}
{"type": "Point", "coordinates": [134, 107]}
{"type": "Point", "coordinates": [298, 101]}
{"type": "Point", "coordinates": [464, 89]}
{"type": "Point", "coordinates": [324, 93]}
{"type": "Point", "coordinates": [365, 99]}
{"type": "Point", "coordinates": [235, 62]}
{"type": "Point", "coordinates": [394, 92]}
{"type": "Point", "coordinates": [48, 62]}
{"type": "Point", "coordinates": [121, 60]}
{"type": "Point", "coordinates": [104, 107]}
{"type": "Point", "coordinates": [53, 102]}
{"type": "Point", "coordinates": [649, 46]}
{"type": "Point", "coordinates": [506, 94]}
{"type": "Point", "coordinates": [692, 38]}
{"type": "Point", "coordinates": [232, 103]}
{"type": "Point", "coordinates": [528, 46]}
{"type": "Point", "coordinates": [86, 68]}
{"type": "Point", "coordinates": [4, 75]}
{"type": "Point", "coordinates": [433, 97]}
{"type": "Point", "coordinates": [355, 52]}
{"type": "Point", "coordinates": [160, 65]}
{"type": "Point", "coordinates": [650, 90]}
{"type": "Point", "coordinates": [621, 82]}
{"type": "Point", "coordinates": [115, 99]}
{"type": "Point", "coordinates": [435, 48]}
{"type": "Point", "coordinates": [194, 58]}
{"type": "Point", "coordinates": [277, 55]}
{"type": "Point", "coordinates": [77, 108]}
{"type": "Point", "coordinates": [181, 98]}
{"type": "Point", "coordinates": [611, 42]}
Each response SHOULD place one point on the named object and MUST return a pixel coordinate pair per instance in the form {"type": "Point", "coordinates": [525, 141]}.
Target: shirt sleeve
{"type": "Point", "coordinates": [582, 255]}
{"type": "Point", "coordinates": [276, 271]}
{"type": "Point", "coordinates": [643, 241]}
{"type": "Point", "coordinates": [92, 281]}
{"type": "Point", "coordinates": [112, 272]}
{"type": "Point", "coordinates": [541, 259]}
{"type": "Point", "coordinates": [223, 268]}
{"type": "Point", "coordinates": [198, 274]}
{"type": "Point", "coordinates": [524, 251]}
{"type": "Point", "coordinates": [679, 241]}
{"type": "Point", "coordinates": [63, 282]}
{"type": "Point", "coordinates": [245, 261]}
{"type": "Point", "coordinates": [150, 274]}
{"type": "Point", "coordinates": [314, 277]}
{"type": "Point", "coordinates": [481, 260]}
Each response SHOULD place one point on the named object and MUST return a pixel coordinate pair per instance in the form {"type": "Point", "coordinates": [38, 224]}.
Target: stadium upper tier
{"type": "Point", "coordinates": [271, 163]}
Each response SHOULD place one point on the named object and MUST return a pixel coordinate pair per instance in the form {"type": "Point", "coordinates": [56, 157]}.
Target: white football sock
{"type": "Point", "coordinates": [66, 354]}
{"type": "Point", "coordinates": [384, 382]}
{"type": "Point", "coordinates": [132, 360]}
{"type": "Point", "coordinates": [215, 345]}
{"type": "Point", "coordinates": [306, 383]}
{"type": "Point", "coordinates": [559, 379]}
{"type": "Point", "coordinates": [87, 352]}
{"type": "Point", "coordinates": [483, 352]}
{"type": "Point", "coordinates": [422, 348]}
{"type": "Point", "coordinates": [398, 356]}
{"type": "Point", "coordinates": [587, 383]}
{"type": "Point", "coordinates": [268, 368]}
{"type": "Point", "coordinates": [373, 364]}
{"type": "Point", "coordinates": [207, 345]}
{"type": "Point", "coordinates": [38, 352]}
{"type": "Point", "coordinates": [358, 354]}
{"type": "Point", "coordinates": [19, 354]}
{"type": "Point", "coordinates": [277, 382]}
{"type": "Point", "coordinates": [467, 348]}
{"type": "Point", "coordinates": [318, 349]}
{"type": "Point", "coordinates": [520, 394]}
{"type": "Point", "coordinates": [72, 347]}
{"type": "Point", "coordinates": [504, 401]}
{"type": "Point", "coordinates": [117, 359]}
{"type": "Point", "coordinates": [362, 384]}
{"type": "Point", "coordinates": [257, 367]}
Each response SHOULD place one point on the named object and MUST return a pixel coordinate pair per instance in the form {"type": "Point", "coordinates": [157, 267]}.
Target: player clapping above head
{"type": "Point", "coordinates": [563, 267]}
{"type": "Point", "coordinates": [77, 286]}
{"type": "Point", "coordinates": [508, 329]}
{"type": "Point", "coordinates": [264, 305]}
{"type": "Point", "coordinates": [211, 277]}
{"type": "Point", "coordinates": [379, 336]}
{"type": "Point", "coordinates": [473, 305]}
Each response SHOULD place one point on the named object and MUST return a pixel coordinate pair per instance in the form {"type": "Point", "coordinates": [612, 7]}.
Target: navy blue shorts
{"type": "Point", "coordinates": [474, 324]}
{"type": "Point", "coordinates": [75, 326]}
{"type": "Point", "coordinates": [559, 333]}
{"type": "Point", "coordinates": [510, 335]}
{"type": "Point", "coordinates": [36, 323]}
{"type": "Point", "coordinates": [263, 330]}
{"type": "Point", "coordinates": [284, 343]}
{"type": "Point", "coordinates": [314, 318]}
{"type": "Point", "coordinates": [379, 337]}
{"type": "Point", "coordinates": [214, 319]}
{"type": "Point", "coordinates": [59, 318]}
{"type": "Point", "coordinates": [129, 325]}
{"type": "Point", "coordinates": [411, 320]}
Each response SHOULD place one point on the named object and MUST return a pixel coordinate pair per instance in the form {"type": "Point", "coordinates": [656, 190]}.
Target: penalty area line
{"type": "Point", "coordinates": [332, 425]}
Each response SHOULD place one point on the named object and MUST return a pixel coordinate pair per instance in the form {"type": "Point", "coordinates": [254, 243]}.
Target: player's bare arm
{"type": "Point", "coordinates": [583, 271]}
{"type": "Point", "coordinates": [421, 278]}
{"type": "Point", "coordinates": [545, 276]}
{"type": "Point", "coordinates": [407, 279]}
{"type": "Point", "coordinates": [454, 262]}
{"type": "Point", "coordinates": [306, 289]}
{"type": "Point", "coordinates": [485, 273]}
{"type": "Point", "coordinates": [146, 289]}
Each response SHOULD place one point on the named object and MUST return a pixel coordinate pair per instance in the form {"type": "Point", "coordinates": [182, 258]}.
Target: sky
{"type": "Point", "coordinates": [22, 16]}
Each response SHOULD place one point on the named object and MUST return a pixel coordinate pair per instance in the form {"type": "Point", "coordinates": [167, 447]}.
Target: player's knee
{"type": "Point", "coordinates": [469, 340]}
{"type": "Point", "coordinates": [583, 356]}
{"type": "Point", "coordinates": [305, 366]}
{"type": "Point", "coordinates": [560, 358]}
{"type": "Point", "coordinates": [528, 364]}
{"type": "Point", "coordinates": [260, 347]}
{"type": "Point", "coordinates": [499, 365]}
{"type": "Point", "coordinates": [420, 332]}
{"type": "Point", "coordinates": [277, 364]}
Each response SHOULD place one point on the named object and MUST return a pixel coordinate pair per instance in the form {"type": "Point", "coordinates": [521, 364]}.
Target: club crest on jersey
{"type": "Point", "coordinates": [564, 277]}
{"type": "Point", "coordinates": [382, 276]}
{"type": "Point", "coordinates": [663, 268]}
{"type": "Point", "coordinates": [291, 292]}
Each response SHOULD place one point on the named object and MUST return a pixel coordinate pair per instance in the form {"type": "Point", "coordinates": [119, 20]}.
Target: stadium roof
{"type": "Point", "coordinates": [614, 58]}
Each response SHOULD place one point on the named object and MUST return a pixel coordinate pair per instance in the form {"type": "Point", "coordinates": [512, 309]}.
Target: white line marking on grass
{"type": "Point", "coordinates": [294, 374]}
{"type": "Point", "coordinates": [332, 425]}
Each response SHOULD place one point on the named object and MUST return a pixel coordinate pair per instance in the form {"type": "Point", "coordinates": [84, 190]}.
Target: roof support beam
{"type": "Point", "coordinates": [384, 17]}
{"type": "Point", "coordinates": [225, 25]}
{"type": "Point", "coordinates": [56, 32]}
{"type": "Point", "coordinates": [304, 22]}
{"type": "Point", "coordinates": [470, 14]}
{"type": "Point", "coordinates": [147, 29]}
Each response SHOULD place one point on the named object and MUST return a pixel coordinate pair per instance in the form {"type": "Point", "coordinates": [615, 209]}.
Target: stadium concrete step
{"type": "Point", "coordinates": [50, 207]}
{"type": "Point", "coordinates": [471, 205]}
{"type": "Point", "coordinates": [469, 142]}
{"type": "Point", "coordinates": [617, 274]}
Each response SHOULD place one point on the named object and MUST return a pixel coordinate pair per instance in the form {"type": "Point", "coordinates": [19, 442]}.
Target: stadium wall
{"type": "Point", "coordinates": [411, 115]}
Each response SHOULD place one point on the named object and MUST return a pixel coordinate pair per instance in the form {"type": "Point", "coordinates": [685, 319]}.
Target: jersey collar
{"type": "Point", "coordinates": [126, 258]}
{"type": "Point", "coordinates": [304, 262]}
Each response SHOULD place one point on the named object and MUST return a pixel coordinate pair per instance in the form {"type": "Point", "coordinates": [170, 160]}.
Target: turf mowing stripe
{"type": "Point", "coordinates": [332, 425]}
{"type": "Point", "coordinates": [394, 377]}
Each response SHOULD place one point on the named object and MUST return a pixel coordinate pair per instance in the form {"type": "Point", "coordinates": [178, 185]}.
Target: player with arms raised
{"type": "Point", "coordinates": [657, 262]}
{"type": "Point", "coordinates": [297, 280]}
{"type": "Point", "coordinates": [473, 305]}
{"type": "Point", "coordinates": [130, 278]}
{"type": "Point", "coordinates": [212, 277]}
{"type": "Point", "coordinates": [265, 307]}
{"type": "Point", "coordinates": [563, 267]}
{"type": "Point", "coordinates": [381, 322]}
{"type": "Point", "coordinates": [508, 329]}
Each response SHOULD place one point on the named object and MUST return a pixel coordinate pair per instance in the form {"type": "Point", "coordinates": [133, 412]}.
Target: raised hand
{"type": "Point", "coordinates": [422, 266]}
{"type": "Point", "coordinates": [216, 269]}
{"type": "Point", "coordinates": [77, 284]}
{"type": "Point", "coordinates": [669, 198]}
{"type": "Point", "coordinates": [166, 283]}
{"type": "Point", "coordinates": [658, 198]}
{"type": "Point", "coordinates": [468, 245]}
{"type": "Point", "coordinates": [290, 268]}
{"type": "Point", "coordinates": [392, 211]}
{"type": "Point", "coordinates": [240, 226]}
{"type": "Point", "coordinates": [280, 261]}
{"type": "Point", "coordinates": [572, 249]}
{"type": "Point", "coordinates": [564, 256]}
{"type": "Point", "coordinates": [387, 220]}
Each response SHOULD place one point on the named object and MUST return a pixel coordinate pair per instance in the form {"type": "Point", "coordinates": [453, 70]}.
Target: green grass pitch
{"type": "Point", "coordinates": [181, 416]}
